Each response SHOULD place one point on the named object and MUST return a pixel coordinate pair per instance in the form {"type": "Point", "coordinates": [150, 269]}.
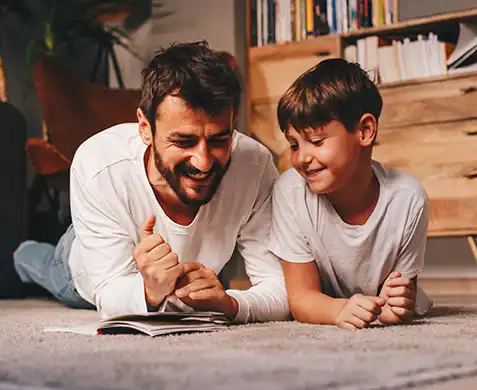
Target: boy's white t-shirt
{"type": "Point", "coordinates": [353, 258]}
{"type": "Point", "coordinates": [111, 198]}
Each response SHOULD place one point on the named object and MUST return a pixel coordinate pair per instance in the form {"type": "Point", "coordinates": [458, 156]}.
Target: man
{"type": "Point", "coordinates": [158, 212]}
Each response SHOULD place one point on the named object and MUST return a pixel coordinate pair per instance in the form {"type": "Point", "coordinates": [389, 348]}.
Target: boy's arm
{"type": "Point", "coordinates": [309, 304]}
{"type": "Point", "coordinates": [302, 279]}
{"type": "Point", "coordinates": [400, 291]}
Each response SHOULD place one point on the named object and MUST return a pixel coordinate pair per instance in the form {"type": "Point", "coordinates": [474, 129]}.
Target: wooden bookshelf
{"type": "Point", "coordinates": [311, 46]}
{"type": "Point", "coordinates": [428, 127]}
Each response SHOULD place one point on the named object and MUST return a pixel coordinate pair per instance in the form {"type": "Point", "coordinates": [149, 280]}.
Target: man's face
{"type": "Point", "coordinates": [191, 150]}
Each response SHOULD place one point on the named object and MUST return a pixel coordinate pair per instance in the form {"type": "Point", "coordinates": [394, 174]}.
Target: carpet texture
{"type": "Point", "coordinates": [259, 356]}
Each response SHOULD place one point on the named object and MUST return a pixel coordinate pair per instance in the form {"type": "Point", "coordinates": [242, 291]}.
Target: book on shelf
{"type": "Point", "coordinates": [279, 21]}
{"type": "Point", "coordinates": [464, 56]}
{"type": "Point", "coordinates": [389, 61]}
{"type": "Point", "coordinates": [172, 317]}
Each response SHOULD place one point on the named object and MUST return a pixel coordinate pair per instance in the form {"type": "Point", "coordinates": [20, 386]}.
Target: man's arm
{"type": "Point", "coordinates": [266, 300]}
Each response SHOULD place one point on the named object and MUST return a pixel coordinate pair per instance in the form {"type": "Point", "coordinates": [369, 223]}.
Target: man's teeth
{"type": "Point", "coordinates": [198, 176]}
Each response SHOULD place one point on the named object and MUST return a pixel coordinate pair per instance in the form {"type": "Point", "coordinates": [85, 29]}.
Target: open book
{"type": "Point", "coordinates": [157, 324]}
{"type": "Point", "coordinates": [173, 317]}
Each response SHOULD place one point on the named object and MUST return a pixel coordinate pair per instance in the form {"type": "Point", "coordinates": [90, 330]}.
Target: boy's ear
{"type": "Point", "coordinates": [145, 130]}
{"type": "Point", "coordinates": [367, 130]}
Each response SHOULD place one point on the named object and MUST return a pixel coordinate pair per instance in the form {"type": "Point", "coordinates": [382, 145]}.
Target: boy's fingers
{"type": "Point", "coordinates": [400, 311]}
{"type": "Point", "coordinates": [401, 302]}
{"type": "Point", "coordinates": [347, 325]}
{"type": "Point", "coordinates": [365, 315]}
{"type": "Point", "coordinates": [370, 305]}
{"type": "Point", "coordinates": [401, 292]}
{"type": "Point", "coordinates": [379, 301]}
{"type": "Point", "coordinates": [401, 281]}
{"type": "Point", "coordinates": [148, 227]}
{"type": "Point", "coordinates": [394, 275]}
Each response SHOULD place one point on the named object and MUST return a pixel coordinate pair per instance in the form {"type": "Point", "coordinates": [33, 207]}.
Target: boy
{"type": "Point", "coordinates": [350, 233]}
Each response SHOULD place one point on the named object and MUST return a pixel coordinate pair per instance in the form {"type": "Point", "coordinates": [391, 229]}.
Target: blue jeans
{"type": "Point", "coordinates": [47, 266]}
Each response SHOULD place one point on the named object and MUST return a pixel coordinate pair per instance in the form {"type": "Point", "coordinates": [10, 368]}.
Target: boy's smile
{"type": "Point", "coordinates": [326, 157]}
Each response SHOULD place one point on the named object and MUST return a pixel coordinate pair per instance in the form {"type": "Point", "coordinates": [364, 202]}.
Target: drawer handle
{"type": "Point", "coordinates": [468, 90]}
{"type": "Point", "coordinates": [471, 132]}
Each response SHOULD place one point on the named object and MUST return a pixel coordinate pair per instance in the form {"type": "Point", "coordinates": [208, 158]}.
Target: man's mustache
{"type": "Point", "coordinates": [190, 170]}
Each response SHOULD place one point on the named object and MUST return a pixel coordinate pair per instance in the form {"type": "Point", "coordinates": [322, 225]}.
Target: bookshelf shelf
{"type": "Point", "coordinates": [427, 80]}
{"type": "Point", "coordinates": [419, 25]}
{"type": "Point", "coordinates": [320, 44]}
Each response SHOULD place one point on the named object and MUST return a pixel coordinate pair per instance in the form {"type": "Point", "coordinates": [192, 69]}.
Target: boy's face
{"type": "Point", "coordinates": [326, 157]}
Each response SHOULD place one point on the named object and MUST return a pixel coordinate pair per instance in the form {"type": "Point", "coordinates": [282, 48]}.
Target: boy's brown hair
{"type": "Point", "coordinates": [335, 89]}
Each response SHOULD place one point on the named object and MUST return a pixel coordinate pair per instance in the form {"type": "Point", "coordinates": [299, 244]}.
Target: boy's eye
{"type": "Point", "coordinates": [318, 142]}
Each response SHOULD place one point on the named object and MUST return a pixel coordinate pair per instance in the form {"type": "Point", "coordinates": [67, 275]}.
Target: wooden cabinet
{"type": "Point", "coordinates": [429, 129]}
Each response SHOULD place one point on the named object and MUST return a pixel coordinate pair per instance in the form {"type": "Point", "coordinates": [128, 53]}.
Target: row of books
{"type": "Point", "coordinates": [399, 60]}
{"type": "Point", "coordinates": [279, 21]}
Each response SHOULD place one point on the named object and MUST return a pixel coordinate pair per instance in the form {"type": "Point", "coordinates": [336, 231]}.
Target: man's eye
{"type": "Point", "coordinates": [293, 147]}
{"type": "Point", "coordinates": [184, 143]}
{"type": "Point", "coordinates": [220, 141]}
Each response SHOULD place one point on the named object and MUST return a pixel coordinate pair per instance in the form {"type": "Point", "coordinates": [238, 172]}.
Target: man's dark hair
{"type": "Point", "coordinates": [193, 72]}
{"type": "Point", "coordinates": [334, 89]}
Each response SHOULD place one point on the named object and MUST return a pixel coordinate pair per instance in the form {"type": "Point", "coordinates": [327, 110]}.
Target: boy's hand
{"type": "Point", "coordinates": [400, 295]}
{"type": "Point", "coordinates": [202, 290]}
{"type": "Point", "coordinates": [158, 265]}
{"type": "Point", "coordinates": [359, 311]}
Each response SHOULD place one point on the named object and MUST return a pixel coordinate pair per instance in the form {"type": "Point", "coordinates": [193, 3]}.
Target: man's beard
{"type": "Point", "coordinates": [173, 178]}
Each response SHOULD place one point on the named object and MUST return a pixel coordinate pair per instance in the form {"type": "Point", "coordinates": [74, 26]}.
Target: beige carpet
{"type": "Point", "coordinates": [260, 356]}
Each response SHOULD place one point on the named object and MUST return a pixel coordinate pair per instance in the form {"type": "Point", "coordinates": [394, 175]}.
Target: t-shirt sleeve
{"type": "Point", "coordinates": [108, 272]}
{"type": "Point", "coordinates": [410, 259]}
{"type": "Point", "coordinates": [287, 240]}
{"type": "Point", "coordinates": [267, 299]}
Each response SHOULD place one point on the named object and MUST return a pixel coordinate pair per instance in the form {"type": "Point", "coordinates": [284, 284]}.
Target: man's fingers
{"type": "Point", "coordinates": [159, 251]}
{"type": "Point", "coordinates": [196, 285]}
{"type": "Point", "coordinates": [205, 294]}
{"type": "Point", "coordinates": [189, 278]}
{"type": "Point", "coordinates": [190, 266]}
{"type": "Point", "coordinates": [401, 302]}
{"type": "Point", "coordinates": [401, 292]}
{"type": "Point", "coordinates": [148, 227]}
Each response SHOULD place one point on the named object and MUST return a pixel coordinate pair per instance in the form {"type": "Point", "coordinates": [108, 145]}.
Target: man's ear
{"type": "Point", "coordinates": [145, 130]}
{"type": "Point", "coordinates": [367, 130]}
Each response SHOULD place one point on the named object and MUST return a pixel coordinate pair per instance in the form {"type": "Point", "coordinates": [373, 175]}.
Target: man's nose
{"type": "Point", "coordinates": [202, 158]}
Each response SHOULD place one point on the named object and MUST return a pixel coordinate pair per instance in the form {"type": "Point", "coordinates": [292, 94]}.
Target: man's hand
{"type": "Point", "coordinates": [359, 311]}
{"type": "Point", "coordinates": [158, 265]}
{"type": "Point", "coordinates": [400, 295]}
{"type": "Point", "coordinates": [202, 290]}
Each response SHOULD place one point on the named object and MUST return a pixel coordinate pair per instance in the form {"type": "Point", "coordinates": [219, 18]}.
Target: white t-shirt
{"type": "Point", "coordinates": [353, 258]}
{"type": "Point", "coordinates": [111, 198]}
